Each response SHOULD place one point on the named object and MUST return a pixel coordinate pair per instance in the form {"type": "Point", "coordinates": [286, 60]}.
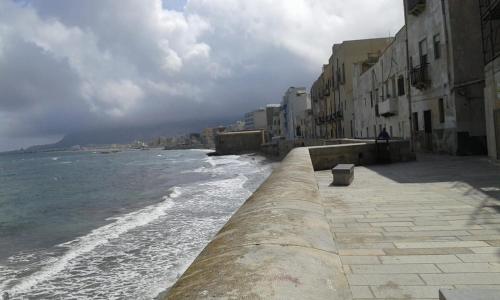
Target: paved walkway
{"type": "Point", "coordinates": [405, 230]}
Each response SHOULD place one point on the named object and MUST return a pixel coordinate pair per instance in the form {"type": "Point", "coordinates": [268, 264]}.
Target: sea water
{"type": "Point", "coordinates": [88, 225]}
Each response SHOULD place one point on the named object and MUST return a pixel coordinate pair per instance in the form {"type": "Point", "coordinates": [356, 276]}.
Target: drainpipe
{"type": "Point", "coordinates": [408, 82]}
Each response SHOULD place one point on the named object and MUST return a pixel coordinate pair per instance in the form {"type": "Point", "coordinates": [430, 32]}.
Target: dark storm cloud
{"type": "Point", "coordinates": [75, 65]}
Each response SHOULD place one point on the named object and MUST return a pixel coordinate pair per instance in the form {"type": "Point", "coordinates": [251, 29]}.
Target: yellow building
{"type": "Point", "coordinates": [332, 92]}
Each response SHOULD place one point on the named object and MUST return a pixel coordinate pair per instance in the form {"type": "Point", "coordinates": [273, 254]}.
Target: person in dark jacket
{"type": "Point", "coordinates": [384, 135]}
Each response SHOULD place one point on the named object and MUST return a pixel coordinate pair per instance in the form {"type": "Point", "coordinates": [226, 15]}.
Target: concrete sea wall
{"type": "Point", "coordinates": [360, 153]}
{"type": "Point", "coordinates": [278, 245]}
{"type": "Point", "coordinates": [239, 142]}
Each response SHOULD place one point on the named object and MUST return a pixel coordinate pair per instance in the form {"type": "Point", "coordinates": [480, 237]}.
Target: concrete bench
{"type": "Point", "coordinates": [343, 174]}
{"type": "Point", "coordinates": [469, 294]}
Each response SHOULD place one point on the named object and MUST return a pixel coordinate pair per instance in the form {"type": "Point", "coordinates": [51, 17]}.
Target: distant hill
{"type": "Point", "coordinates": [127, 135]}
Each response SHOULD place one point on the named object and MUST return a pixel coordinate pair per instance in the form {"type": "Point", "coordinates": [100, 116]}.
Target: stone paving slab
{"type": "Point", "coordinates": [404, 231]}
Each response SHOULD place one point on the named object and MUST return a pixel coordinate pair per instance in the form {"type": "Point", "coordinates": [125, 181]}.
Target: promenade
{"type": "Point", "coordinates": [404, 230]}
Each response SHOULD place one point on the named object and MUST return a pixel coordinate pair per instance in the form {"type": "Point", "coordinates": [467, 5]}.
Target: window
{"type": "Point", "coordinates": [422, 51]}
{"type": "Point", "coordinates": [374, 130]}
{"type": "Point", "coordinates": [415, 121]}
{"type": "Point", "coordinates": [371, 98]}
{"type": "Point", "coordinates": [401, 85]}
{"type": "Point", "coordinates": [441, 110]}
{"type": "Point", "coordinates": [437, 46]}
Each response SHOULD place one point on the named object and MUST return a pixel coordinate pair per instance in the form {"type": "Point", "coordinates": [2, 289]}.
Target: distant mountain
{"type": "Point", "coordinates": [127, 135]}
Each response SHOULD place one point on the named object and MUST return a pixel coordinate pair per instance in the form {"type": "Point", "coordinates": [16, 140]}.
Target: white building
{"type": "Point", "coordinates": [295, 115]}
{"type": "Point", "coordinates": [273, 119]}
{"type": "Point", "coordinates": [236, 126]}
{"type": "Point", "coordinates": [380, 93]}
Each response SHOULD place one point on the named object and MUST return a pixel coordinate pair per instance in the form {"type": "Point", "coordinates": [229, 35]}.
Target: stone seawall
{"type": "Point", "coordinates": [360, 153]}
{"type": "Point", "coordinates": [278, 245]}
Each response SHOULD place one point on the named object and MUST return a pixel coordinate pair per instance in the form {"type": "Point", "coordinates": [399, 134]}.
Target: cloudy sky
{"type": "Point", "coordinates": [71, 65]}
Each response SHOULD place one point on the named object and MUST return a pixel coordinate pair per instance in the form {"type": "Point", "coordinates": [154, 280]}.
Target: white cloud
{"type": "Point", "coordinates": [104, 61]}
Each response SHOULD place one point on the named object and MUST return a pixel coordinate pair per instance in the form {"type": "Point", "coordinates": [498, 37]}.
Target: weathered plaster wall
{"type": "Point", "coordinates": [239, 142]}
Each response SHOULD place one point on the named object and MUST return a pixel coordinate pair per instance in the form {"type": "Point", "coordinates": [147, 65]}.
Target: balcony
{"type": "Point", "coordinates": [415, 7]}
{"type": "Point", "coordinates": [388, 107]}
{"type": "Point", "coordinates": [420, 76]}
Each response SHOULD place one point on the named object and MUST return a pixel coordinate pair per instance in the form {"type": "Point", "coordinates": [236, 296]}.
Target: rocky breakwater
{"type": "Point", "coordinates": [278, 245]}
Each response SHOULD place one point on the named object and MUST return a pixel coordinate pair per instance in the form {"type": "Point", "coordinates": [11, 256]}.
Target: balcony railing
{"type": "Point", "coordinates": [420, 76]}
{"type": "Point", "coordinates": [388, 107]}
{"type": "Point", "coordinates": [415, 7]}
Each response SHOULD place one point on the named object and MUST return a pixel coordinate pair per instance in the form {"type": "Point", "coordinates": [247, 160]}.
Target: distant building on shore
{"type": "Point", "coordinates": [294, 113]}
{"type": "Point", "coordinates": [273, 119]}
{"type": "Point", "coordinates": [236, 126]}
{"type": "Point", "coordinates": [208, 136]}
{"type": "Point", "coordinates": [256, 119]}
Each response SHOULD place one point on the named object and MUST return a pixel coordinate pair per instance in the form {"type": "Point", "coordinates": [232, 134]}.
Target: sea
{"type": "Point", "coordinates": [126, 225]}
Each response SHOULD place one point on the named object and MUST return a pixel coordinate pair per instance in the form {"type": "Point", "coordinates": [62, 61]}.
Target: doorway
{"type": "Point", "coordinates": [428, 130]}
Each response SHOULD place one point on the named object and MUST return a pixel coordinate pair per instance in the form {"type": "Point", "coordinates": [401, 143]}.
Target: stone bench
{"type": "Point", "coordinates": [343, 174]}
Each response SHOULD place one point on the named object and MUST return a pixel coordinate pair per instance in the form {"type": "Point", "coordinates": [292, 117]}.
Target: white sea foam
{"type": "Point", "coordinates": [97, 237]}
{"type": "Point", "coordinates": [141, 254]}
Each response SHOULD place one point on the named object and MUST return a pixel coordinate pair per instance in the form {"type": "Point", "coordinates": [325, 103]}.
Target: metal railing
{"type": "Point", "coordinates": [420, 76]}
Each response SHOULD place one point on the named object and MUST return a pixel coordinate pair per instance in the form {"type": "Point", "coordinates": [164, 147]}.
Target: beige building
{"type": "Point", "coordinates": [491, 35]}
{"type": "Point", "coordinates": [446, 72]}
{"type": "Point", "coordinates": [256, 119]}
{"type": "Point", "coordinates": [380, 93]}
{"type": "Point", "coordinates": [332, 93]}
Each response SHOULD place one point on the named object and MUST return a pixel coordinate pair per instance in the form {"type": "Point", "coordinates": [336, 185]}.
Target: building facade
{"type": "Point", "coordinates": [208, 136]}
{"type": "Point", "coordinates": [445, 66]}
{"type": "Point", "coordinates": [294, 113]}
{"type": "Point", "coordinates": [256, 119]}
{"type": "Point", "coordinates": [236, 126]}
{"type": "Point", "coordinates": [380, 93]}
{"type": "Point", "coordinates": [273, 119]}
{"type": "Point", "coordinates": [332, 93]}
{"type": "Point", "coordinates": [490, 21]}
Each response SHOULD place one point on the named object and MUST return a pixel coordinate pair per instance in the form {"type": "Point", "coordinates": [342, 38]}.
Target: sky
{"type": "Point", "coordinates": [71, 65]}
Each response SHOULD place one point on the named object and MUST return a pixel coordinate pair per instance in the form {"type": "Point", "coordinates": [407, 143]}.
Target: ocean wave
{"type": "Point", "coordinates": [95, 238]}
{"type": "Point", "coordinates": [140, 254]}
